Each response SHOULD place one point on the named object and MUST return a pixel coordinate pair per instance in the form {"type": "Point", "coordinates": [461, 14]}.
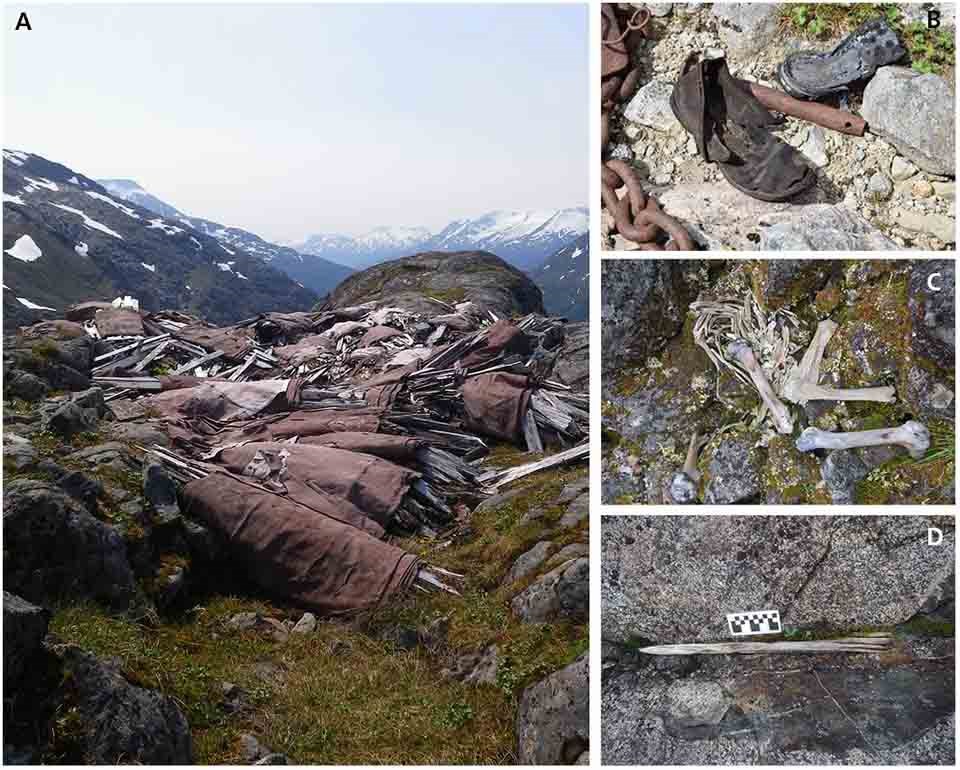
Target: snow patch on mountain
{"type": "Point", "coordinates": [43, 182]}
{"type": "Point", "coordinates": [15, 157]}
{"type": "Point", "coordinates": [33, 305]}
{"type": "Point", "coordinates": [25, 249]}
{"type": "Point", "coordinates": [119, 206]}
{"type": "Point", "coordinates": [92, 224]}
{"type": "Point", "coordinates": [161, 225]}
{"type": "Point", "coordinates": [13, 199]}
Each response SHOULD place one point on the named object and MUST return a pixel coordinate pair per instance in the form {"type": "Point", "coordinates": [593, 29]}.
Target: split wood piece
{"type": "Point", "coordinates": [741, 351]}
{"type": "Point", "coordinates": [129, 383]}
{"type": "Point", "coordinates": [530, 433]}
{"type": "Point", "coordinates": [152, 356]}
{"type": "Point", "coordinates": [912, 435]}
{"type": "Point", "coordinates": [873, 643]}
{"type": "Point", "coordinates": [144, 343]}
{"type": "Point", "coordinates": [801, 384]}
{"type": "Point", "coordinates": [686, 482]}
{"type": "Point", "coordinates": [426, 579]}
{"type": "Point", "coordinates": [200, 361]}
{"type": "Point", "coordinates": [137, 343]}
{"type": "Point", "coordinates": [239, 371]}
{"type": "Point", "coordinates": [496, 479]}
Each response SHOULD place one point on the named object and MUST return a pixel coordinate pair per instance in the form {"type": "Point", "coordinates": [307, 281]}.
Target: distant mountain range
{"type": "Point", "coordinates": [316, 273]}
{"type": "Point", "coordinates": [67, 239]}
{"type": "Point", "coordinates": [564, 280]}
{"type": "Point", "coordinates": [523, 238]}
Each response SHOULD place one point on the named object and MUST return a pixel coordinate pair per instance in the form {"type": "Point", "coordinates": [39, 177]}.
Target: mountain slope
{"type": "Point", "coordinates": [320, 275]}
{"type": "Point", "coordinates": [67, 239]}
{"type": "Point", "coordinates": [523, 238]}
{"type": "Point", "coordinates": [564, 279]}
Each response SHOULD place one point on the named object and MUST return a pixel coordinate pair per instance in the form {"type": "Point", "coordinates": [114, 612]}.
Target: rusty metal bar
{"type": "Point", "coordinates": [821, 114]}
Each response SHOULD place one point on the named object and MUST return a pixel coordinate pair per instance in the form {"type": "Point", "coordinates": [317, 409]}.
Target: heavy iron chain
{"type": "Point", "coordinates": [637, 216]}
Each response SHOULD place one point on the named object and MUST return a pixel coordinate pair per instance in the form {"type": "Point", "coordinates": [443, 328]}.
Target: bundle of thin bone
{"type": "Point", "coordinates": [734, 333]}
{"type": "Point", "coordinates": [718, 323]}
{"type": "Point", "coordinates": [856, 644]}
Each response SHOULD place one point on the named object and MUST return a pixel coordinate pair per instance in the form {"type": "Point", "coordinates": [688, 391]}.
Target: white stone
{"type": "Point", "coordinates": [901, 168]}
{"type": "Point", "coordinates": [650, 107]}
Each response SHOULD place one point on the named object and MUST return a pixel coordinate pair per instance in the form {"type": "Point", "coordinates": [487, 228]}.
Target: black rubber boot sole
{"type": "Point", "coordinates": [807, 75]}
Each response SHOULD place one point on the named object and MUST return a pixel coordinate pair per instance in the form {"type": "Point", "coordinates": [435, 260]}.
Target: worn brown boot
{"type": "Point", "coordinates": [731, 128]}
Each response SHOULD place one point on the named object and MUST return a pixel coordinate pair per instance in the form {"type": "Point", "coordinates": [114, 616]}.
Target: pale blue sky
{"type": "Point", "coordinates": [292, 119]}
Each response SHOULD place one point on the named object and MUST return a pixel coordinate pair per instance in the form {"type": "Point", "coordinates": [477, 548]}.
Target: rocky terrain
{"type": "Point", "coordinates": [659, 386]}
{"type": "Point", "coordinates": [672, 579]}
{"type": "Point", "coordinates": [893, 188]}
{"type": "Point", "coordinates": [471, 275]}
{"type": "Point", "coordinates": [133, 633]}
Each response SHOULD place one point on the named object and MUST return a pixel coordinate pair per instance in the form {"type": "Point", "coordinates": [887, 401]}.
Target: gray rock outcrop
{"type": "Point", "coordinates": [553, 718]}
{"type": "Point", "coordinates": [121, 722]}
{"type": "Point", "coordinates": [916, 114]}
{"type": "Point", "coordinates": [24, 627]}
{"type": "Point", "coordinates": [55, 548]}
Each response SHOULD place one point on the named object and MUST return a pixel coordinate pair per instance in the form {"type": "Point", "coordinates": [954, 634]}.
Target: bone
{"type": "Point", "coordinates": [684, 485]}
{"type": "Point", "coordinates": [801, 385]}
{"type": "Point", "coordinates": [912, 435]}
{"type": "Point", "coordinates": [741, 351]}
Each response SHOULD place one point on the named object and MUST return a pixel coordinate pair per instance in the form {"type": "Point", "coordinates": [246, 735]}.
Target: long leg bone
{"type": "Point", "coordinates": [741, 351]}
{"type": "Point", "coordinates": [801, 385]}
{"type": "Point", "coordinates": [683, 486]}
{"type": "Point", "coordinates": [912, 435]}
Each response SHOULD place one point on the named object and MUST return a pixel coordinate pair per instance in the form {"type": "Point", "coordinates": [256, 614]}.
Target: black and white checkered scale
{"type": "Point", "coordinates": [750, 623]}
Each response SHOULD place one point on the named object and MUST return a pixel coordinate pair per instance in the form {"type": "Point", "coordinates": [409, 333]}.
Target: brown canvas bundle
{"type": "Point", "coordinates": [503, 336]}
{"type": "Point", "coordinates": [382, 390]}
{"type": "Point", "coordinates": [86, 311]}
{"type": "Point", "coordinates": [495, 404]}
{"type": "Point", "coordinates": [56, 329]}
{"type": "Point", "coordinates": [217, 399]}
{"type": "Point", "coordinates": [378, 334]}
{"type": "Point", "coordinates": [307, 348]}
{"type": "Point", "coordinates": [116, 322]}
{"type": "Point", "coordinates": [299, 554]}
{"type": "Point", "coordinates": [307, 423]}
{"type": "Point", "coordinates": [320, 476]}
{"type": "Point", "coordinates": [234, 342]}
{"type": "Point", "coordinates": [401, 449]}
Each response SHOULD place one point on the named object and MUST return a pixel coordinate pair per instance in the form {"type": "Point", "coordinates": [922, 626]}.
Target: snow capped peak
{"type": "Point", "coordinates": [122, 187]}
{"type": "Point", "coordinates": [381, 237]}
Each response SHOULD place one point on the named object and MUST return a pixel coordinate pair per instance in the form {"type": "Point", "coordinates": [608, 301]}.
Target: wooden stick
{"type": "Point", "coordinates": [495, 479]}
{"type": "Point", "coordinates": [875, 643]}
{"type": "Point", "coordinates": [191, 365]}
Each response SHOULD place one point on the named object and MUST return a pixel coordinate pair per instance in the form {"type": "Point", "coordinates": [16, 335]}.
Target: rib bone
{"type": "Point", "coordinates": [741, 351]}
{"type": "Point", "coordinates": [912, 435]}
{"type": "Point", "coordinates": [801, 384]}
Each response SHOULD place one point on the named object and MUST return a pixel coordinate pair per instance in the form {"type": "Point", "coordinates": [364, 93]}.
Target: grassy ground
{"type": "Point", "coordinates": [343, 694]}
